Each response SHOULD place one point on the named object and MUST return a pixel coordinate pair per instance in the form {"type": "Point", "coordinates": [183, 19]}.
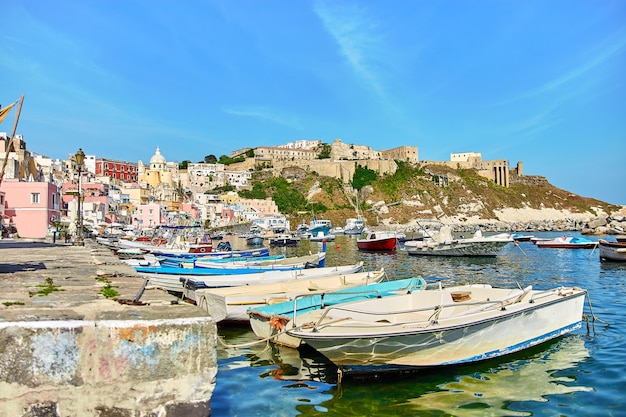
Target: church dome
{"type": "Point", "coordinates": [157, 158]}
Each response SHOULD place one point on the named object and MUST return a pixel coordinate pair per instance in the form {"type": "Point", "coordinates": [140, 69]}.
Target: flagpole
{"type": "Point", "coordinates": [8, 148]}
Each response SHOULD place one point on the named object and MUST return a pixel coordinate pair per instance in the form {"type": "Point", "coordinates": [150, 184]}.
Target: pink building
{"type": "Point", "coordinates": [192, 210]}
{"type": "Point", "coordinates": [149, 215]}
{"type": "Point", "coordinates": [30, 206]}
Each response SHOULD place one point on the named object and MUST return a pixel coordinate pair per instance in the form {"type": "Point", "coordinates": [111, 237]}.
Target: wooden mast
{"type": "Point", "coordinates": [10, 138]}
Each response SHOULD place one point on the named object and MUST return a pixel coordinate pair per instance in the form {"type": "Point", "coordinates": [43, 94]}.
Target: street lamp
{"type": "Point", "coordinates": [80, 159]}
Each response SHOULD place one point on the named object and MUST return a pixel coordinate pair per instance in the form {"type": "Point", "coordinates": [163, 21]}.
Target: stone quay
{"type": "Point", "coordinates": [69, 347]}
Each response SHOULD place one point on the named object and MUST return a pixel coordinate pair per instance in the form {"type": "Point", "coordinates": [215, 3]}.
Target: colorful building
{"type": "Point", "coordinates": [31, 207]}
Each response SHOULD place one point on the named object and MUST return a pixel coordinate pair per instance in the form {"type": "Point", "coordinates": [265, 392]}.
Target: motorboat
{"type": "Point", "coordinates": [378, 241]}
{"type": "Point", "coordinates": [443, 244]}
{"type": "Point", "coordinates": [568, 242]}
{"type": "Point", "coordinates": [443, 326]}
{"type": "Point", "coordinates": [232, 303]}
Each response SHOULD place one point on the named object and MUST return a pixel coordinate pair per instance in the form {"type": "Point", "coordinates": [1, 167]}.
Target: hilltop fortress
{"type": "Point", "coordinates": [342, 159]}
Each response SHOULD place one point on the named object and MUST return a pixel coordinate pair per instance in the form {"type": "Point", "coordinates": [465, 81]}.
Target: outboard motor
{"type": "Point", "coordinates": [224, 246]}
{"type": "Point", "coordinates": [310, 265]}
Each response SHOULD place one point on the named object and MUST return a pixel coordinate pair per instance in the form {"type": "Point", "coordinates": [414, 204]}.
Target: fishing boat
{"type": "Point", "coordinates": [255, 240]}
{"type": "Point", "coordinates": [568, 242]}
{"type": "Point", "coordinates": [442, 244]}
{"type": "Point", "coordinates": [271, 262]}
{"type": "Point", "coordinates": [319, 225]}
{"type": "Point", "coordinates": [438, 327]}
{"type": "Point", "coordinates": [201, 267]}
{"type": "Point", "coordinates": [380, 241]}
{"type": "Point", "coordinates": [232, 303]}
{"type": "Point", "coordinates": [612, 251]}
{"type": "Point", "coordinates": [175, 283]}
{"type": "Point", "coordinates": [520, 237]}
{"type": "Point", "coordinates": [271, 321]}
{"type": "Point", "coordinates": [354, 226]}
{"type": "Point", "coordinates": [284, 239]}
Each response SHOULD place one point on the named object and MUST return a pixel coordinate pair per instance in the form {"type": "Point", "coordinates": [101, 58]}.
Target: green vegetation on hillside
{"type": "Point", "coordinates": [422, 191]}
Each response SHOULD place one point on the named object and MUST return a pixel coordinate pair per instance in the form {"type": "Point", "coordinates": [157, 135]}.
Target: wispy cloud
{"type": "Point", "coordinates": [265, 114]}
{"type": "Point", "coordinates": [609, 49]}
{"type": "Point", "coordinates": [355, 33]}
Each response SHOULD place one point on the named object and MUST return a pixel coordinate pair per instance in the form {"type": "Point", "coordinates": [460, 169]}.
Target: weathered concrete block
{"type": "Point", "coordinates": [86, 367]}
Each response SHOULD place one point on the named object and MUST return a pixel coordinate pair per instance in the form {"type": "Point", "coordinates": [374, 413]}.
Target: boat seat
{"type": "Point", "coordinates": [459, 296]}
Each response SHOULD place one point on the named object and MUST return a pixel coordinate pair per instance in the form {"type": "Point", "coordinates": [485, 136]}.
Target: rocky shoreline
{"type": "Point", "coordinates": [528, 220]}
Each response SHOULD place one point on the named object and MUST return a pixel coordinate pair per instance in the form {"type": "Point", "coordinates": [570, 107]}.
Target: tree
{"type": "Point", "coordinates": [183, 165]}
{"type": "Point", "coordinates": [210, 159]}
{"type": "Point", "coordinates": [363, 176]}
{"type": "Point", "coordinates": [325, 151]}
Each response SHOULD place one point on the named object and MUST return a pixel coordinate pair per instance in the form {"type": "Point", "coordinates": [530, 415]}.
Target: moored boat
{"type": "Point", "coordinates": [319, 225]}
{"type": "Point", "coordinates": [283, 239]}
{"type": "Point", "coordinates": [201, 267]}
{"type": "Point", "coordinates": [378, 241]}
{"type": "Point", "coordinates": [442, 244]}
{"type": "Point", "coordinates": [354, 226]}
{"type": "Point", "coordinates": [568, 242]}
{"type": "Point", "coordinates": [438, 327]}
{"type": "Point", "coordinates": [232, 303]}
{"type": "Point", "coordinates": [612, 251]}
{"type": "Point", "coordinates": [176, 282]}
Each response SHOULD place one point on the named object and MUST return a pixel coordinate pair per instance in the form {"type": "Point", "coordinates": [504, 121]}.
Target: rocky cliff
{"type": "Point", "coordinates": [463, 199]}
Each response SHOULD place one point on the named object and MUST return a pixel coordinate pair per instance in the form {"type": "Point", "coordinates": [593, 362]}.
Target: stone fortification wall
{"type": "Point", "coordinates": [343, 170]}
{"type": "Point", "coordinates": [527, 179]}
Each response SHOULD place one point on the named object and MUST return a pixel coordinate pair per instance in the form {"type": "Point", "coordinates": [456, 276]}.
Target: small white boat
{"type": "Point", "coordinates": [232, 303]}
{"type": "Point", "coordinates": [315, 259]}
{"type": "Point", "coordinates": [439, 327]}
{"type": "Point", "coordinates": [567, 242]}
{"type": "Point", "coordinates": [176, 282]}
{"type": "Point", "coordinates": [321, 236]}
{"type": "Point", "coordinates": [612, 251]}
{"type": "Point", "coordinates": [354, 226]}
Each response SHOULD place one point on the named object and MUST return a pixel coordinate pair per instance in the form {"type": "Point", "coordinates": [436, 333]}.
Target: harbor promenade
{"type": "Point", "coordinates": [69, 347]}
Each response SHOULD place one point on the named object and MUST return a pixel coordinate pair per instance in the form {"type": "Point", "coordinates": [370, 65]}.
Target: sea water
{"type": "Point", "coordinates": [581, 374]}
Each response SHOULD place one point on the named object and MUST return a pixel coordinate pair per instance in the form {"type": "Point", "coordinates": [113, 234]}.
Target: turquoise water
{"type": "Point", "coordinates": [581, 374]}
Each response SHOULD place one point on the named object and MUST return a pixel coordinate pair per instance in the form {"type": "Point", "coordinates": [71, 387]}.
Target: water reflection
{"type": "Point", "coordinates": [528, 379]}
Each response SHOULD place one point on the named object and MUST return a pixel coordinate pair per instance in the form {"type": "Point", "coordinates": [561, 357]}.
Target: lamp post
{"type": "Point", "coordinates": [80, 158]}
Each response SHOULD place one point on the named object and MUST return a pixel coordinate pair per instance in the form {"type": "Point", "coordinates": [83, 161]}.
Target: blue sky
{"type": "Point", "coordinates": [542, 82]}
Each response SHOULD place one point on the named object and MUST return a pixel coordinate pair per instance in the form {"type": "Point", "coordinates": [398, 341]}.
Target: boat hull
{"type": "Point", "coordinates": [359, 346]}
{"type": "Point", "coordinates": [232, 304]}
{"type": "Point", "coordinates": [379, 245]}
{"type": "Point", "coordinates": [612, 251]}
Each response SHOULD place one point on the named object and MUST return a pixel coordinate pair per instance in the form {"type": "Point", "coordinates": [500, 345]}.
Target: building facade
{"type": "Point", "coordinates": [117, 170]}
{"type": "Point", "coordinates": [30, 206]}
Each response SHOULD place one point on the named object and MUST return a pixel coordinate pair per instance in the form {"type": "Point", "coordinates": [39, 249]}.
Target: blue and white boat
{"type": "Point", "coordinates": [318, 226]}
{"type": "Point", "coordinates": [201, 267]}
{"type": "Point", "coordinates": [175, 283]}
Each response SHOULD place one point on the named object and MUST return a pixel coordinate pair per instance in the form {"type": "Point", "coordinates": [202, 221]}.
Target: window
{"type": "Point", "coordinates": [34, 198]}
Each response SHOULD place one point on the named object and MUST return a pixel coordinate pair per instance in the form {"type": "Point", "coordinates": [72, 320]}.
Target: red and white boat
{"type": "Point", "coordinates": [379, 241]}
{"type": "Point", "coordinates": [565, 242]}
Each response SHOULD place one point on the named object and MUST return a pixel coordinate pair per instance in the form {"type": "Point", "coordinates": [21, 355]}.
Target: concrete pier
{"type": "Point", "coordinates": [68, 348]}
